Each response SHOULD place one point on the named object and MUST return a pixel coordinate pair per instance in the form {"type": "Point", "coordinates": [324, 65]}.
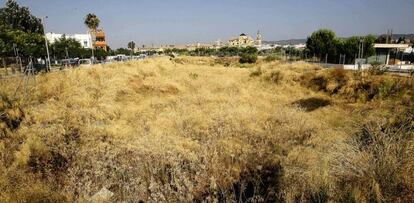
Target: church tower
{"type": "Point", "coordinates": [258, 38]}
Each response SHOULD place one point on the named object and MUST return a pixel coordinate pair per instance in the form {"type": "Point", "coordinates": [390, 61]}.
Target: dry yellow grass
{"type": "Point", "coordinates": [163, 131]}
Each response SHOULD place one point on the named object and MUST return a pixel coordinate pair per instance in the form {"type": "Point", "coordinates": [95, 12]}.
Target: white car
{"type": "Point", "coordinates": [85, 62]}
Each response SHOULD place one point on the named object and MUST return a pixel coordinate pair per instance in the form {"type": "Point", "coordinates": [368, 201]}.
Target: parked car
{"type": "Point", "coordinates": [37, 68]}
{"type": "Point", "coordinates": [85, 62]}
{"type": "Point", "coordinates": [69, 63]}
{"type": "Point", "coordinates": [121, 57]}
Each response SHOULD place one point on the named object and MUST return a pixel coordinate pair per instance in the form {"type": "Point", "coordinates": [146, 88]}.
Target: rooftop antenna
{"type": "Point", "coordinates": [389, 36]}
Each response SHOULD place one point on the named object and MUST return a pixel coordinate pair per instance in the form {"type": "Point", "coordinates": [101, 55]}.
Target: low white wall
{"type": "Point", "coordinates": [355, 67]}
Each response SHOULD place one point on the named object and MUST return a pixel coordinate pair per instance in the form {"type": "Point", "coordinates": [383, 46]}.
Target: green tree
{"type": "Point", "coordinates": [69, 45]}
{"type": "Point", "coordinates": [322, 42]}
{"type": "Point", "coordinates": [248, 50]}
{"type": "Point", "coordinates": [248, 58]}
{"type": "Point", "coordinates": [20, 18]}
{"type": "Point", "coordinates": [101, 54]}
{"type": "Point", "coordinates": [92, 21]}
{"type": "Point", "coordinates": [131, 46]}
{"type": "Point", "coordinates": [350, 47]}
{"type": "Point", "coordinates": [369, 42]}
{"type": "Point", "coordinates": [381, 39]}
{"type": "Point", "coordinates": [20, 29]}
{"type": "Point", "coordinates": [3, 43]}
{"type": "Point", "coordinates": [122, 51]}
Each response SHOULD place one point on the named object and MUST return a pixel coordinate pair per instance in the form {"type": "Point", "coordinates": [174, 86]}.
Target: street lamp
{"type": "Point", "coordinates": [46, 43]}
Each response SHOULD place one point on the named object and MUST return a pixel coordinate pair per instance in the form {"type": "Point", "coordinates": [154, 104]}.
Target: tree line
{"type": "Point", "coordinates": [325, 45]}
{"type": "Point", "coordinates": [22, 33]}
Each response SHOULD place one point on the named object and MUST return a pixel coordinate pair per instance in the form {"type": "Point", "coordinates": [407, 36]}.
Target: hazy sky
{"type": "Point", "coordinates": [188, 21]}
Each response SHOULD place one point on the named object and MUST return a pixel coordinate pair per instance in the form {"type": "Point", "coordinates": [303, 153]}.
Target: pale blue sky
{"type": "Point", "coordinates": [189, 21]}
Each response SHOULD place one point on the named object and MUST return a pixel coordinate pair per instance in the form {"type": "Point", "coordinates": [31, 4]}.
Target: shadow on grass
{"type": "Point", "coordinates": [312, 104]}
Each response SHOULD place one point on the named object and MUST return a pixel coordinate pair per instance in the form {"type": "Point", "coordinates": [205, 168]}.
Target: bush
{"type": "Point", "coordinates": [339, 75]}
{"type": "Point", "coordinates": [390, 150]}
{"type": "Point", "coordinates": [313, 81]}
{"type": "Point", "coordinates": [357, 88]}
{"type": "Point", "coordinates": [386, 88]}
{"type": "Point", "coordinates": [256, 73]}
{"type": "Point", "coordinates": [11, 115]}
{"type": "Point", "coordinates": [274, 76]}
{"type": "Point", "coordinates": [225, 61]}
{"type": "Point", "coordinates": [377, 69]}
{"type": "Point", "coordinates": [271, 58]}
{"type": "Point", "coordinates": [248, 58]}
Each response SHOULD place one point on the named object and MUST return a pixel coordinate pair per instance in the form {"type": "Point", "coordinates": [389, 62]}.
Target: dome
{"type": "Point", "coordinates": [242, 34]}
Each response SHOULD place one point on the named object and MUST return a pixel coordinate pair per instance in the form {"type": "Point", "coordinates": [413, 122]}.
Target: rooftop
{"type": "Point", "coordinates": [391, 46]}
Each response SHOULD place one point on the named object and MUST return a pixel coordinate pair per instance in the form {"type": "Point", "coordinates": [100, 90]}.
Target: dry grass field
{"type": "Point", "coordinates": [200, 130]}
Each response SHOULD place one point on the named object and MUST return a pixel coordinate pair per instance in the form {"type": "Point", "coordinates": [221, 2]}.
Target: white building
{"type": "Point", "coordinates": [84, 39]}
{"type": "Point", "coordinates": [295, 46]}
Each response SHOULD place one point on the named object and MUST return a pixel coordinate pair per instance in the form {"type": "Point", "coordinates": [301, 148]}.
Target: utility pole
{"type": "Point", "coordinates": [361, 49]}
{"type": "Point", "coordinates": [17, 57]}
{"type": "Point", "coordinates": [93, 54]}
{"type": "Point", "coordinates": [67, 54]}
{"type": "Point", "coordinates": [46, 44]}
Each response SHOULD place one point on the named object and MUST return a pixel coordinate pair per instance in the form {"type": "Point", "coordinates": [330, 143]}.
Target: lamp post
{"type": "Point", "coordinates": [46, 44]}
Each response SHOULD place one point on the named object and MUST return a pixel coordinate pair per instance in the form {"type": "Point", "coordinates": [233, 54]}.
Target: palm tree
{"type": "Point", "coordinates": [92, 22]}
{"type": "Point", "coordinates": [131, 45]}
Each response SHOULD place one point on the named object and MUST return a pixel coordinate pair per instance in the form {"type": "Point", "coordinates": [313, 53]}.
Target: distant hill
{"type": "Point", "coordinates": [303, 41]}
{"type": "Point", "coordinates": [286, 42]}
{"type": "Point", "coordinates": [397, 36]}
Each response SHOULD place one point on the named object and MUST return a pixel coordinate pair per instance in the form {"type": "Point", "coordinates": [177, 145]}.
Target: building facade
{"type": "Point", "coordinates": [84, 39]}
{"type": "Point", "coordinates": [100, 42]}
{"type": "Point", "coordinates": [244, 40]}
{"type": "Point", "coordinates": [241, 41]}
{"type": "Point", "coordinates": [258, 39]}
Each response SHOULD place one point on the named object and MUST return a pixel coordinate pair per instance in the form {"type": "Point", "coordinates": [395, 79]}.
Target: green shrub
{"type": "Point", "coordinates": [271, 58]}
{"type": "Point", "coordinates": [386, 88]}
{"type": "Point", "coordinates": [377, 69]}
{"type": "Point", "coordinates": [248, 58]}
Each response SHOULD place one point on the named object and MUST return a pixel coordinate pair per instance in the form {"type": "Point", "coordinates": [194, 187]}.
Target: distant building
{"type": "Point", "coordinates": [218, 43]}
{"type": "Point", "coordinates": [258, 39]}
{"type": "Point", "coordinates": [84, 39]}
{"type": "Point", "coordinates": [385, 51]}
{"type": "Point", "coordinates": [241, 41]}
{"type": "Point", "coordinates": [244, 40]}
{"type": "Point", "coordinates": [300, 46]}
{"type": "Point", "coordinates": [100, 42]}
